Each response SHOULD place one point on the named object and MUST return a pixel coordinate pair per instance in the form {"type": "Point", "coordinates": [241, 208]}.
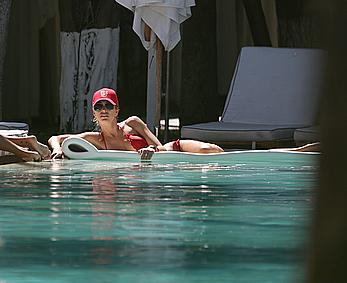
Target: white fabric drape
{"type": "Point", "coordinates": [89, 62]}
{"type": "Point", "coordinates": [162, 16]}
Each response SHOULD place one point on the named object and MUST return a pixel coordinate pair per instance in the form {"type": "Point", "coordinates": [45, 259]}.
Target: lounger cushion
{"type": "Point", "coordinates": [8, 129]}
{"type": "Point", "coordinates": [273, 92]}
{"type": "Point", "coordinates": [307, 135]}
{"type": "Point", "coordinates": [238, 132]}
{"type": "Point", "coordinates": [275, 86]}
{"type": "Point", "coordinates": [13, 128]}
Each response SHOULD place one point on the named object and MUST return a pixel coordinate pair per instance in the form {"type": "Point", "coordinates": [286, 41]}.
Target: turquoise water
{"type": "Point", "coordinates": [87, 221]}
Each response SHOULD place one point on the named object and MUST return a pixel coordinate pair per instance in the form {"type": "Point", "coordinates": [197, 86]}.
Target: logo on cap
{"type": "Point", "coordinates": [104, 93]}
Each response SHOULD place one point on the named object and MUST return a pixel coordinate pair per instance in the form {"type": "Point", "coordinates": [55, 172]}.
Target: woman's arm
{"type": "Point", "coordinates": [55, 144]}
{"type": "Point", "coordinates": [141, 128]}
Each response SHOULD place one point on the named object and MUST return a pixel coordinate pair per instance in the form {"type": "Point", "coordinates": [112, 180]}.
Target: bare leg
{"type": "Point", "coordinates": [311, 147]}
{"type": "Point", "coordinates": [195, 147]}
{"type": "Point", "coordinates": [26, 155]}
{"type": "Point", "coordinates": [32, 143]}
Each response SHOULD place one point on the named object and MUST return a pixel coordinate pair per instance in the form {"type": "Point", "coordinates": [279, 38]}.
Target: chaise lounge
{"type": "Point", "coordinates": [273, 92]}
{"type": "Point", "coordinates": [306, 135]}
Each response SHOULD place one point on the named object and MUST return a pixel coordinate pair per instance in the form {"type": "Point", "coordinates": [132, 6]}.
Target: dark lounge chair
{"type": "Point", "coordinates": [273, 92]}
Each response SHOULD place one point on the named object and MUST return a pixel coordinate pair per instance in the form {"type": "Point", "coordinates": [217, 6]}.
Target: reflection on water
{"type": "Point", "coordinates": [84, 221]}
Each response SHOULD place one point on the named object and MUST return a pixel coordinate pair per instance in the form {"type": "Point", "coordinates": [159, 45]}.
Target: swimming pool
{"type": "Point", "coordinates": [94, 221]}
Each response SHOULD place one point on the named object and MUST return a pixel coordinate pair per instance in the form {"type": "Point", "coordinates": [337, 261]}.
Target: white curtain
{"type": "Point", "coordinates": [89, 62]}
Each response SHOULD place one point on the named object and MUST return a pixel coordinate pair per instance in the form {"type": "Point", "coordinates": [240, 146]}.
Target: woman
{"type": "Point", "coordinates": [131, 134]}
{"type": "Point", "coordinates": [27, 148]}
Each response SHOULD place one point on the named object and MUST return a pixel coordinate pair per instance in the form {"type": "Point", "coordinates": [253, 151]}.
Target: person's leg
{"type": "Point", "coordinates": [26, 155]}
{"type": "Point", "coordinates": [193, 146]}
{"type": "Point", "coordinates": [311, 147]}
{"type": "Point", "coordinates": [32, 143]}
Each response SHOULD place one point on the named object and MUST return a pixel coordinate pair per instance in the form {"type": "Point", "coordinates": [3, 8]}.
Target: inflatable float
{"type": "Point", "coordinates": [78, 148]}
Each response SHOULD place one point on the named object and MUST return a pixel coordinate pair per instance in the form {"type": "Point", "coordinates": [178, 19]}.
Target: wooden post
{"type": "Point", "coordinates": [167, 97]}
{"type": "Point", "coordinates": [158, 79]}
{"type": "Point", "coordinates": [154, 85]}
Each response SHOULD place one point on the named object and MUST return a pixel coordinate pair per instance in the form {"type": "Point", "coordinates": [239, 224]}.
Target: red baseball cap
{"type": "Point", "coordinates": [105, 94]}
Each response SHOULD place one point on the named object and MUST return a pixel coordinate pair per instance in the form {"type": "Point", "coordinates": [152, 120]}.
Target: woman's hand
{"type": "Point", "coordinates": [146, 153]}
{"type": "Point", "coordinates": [57, 153]}
{"type": "Point", "coordinates": [55, 143]}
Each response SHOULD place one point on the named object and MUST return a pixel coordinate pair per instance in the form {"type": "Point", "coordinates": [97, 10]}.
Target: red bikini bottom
{"type": "Point", "coordinates": [176, 145]}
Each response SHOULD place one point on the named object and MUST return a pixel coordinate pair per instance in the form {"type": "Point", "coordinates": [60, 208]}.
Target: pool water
{"type": "Point", "coordinates": [94, 221]}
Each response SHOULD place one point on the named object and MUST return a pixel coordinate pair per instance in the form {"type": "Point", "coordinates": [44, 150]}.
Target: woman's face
{"type": "Point", "coordinates": [103, 110]}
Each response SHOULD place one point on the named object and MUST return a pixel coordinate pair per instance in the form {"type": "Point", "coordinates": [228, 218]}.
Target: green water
{"type": "Point", "coordinates": [84, 221]}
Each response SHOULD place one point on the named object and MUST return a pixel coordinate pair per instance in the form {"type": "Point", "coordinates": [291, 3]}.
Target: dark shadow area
{"type": "Point", "coordinates": [328, 257]}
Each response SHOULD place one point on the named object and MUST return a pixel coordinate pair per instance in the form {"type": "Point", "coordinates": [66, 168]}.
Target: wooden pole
{"type": "Point", "coordinates": [154, 82]}
{"type": "Point", "coordinates": [167, 97]}
{"type": "Point", "coordinates": [158, 76]}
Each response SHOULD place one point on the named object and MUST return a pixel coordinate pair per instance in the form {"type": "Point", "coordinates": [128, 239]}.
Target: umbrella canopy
{"type": "Point", "coordinates": [162, 16]}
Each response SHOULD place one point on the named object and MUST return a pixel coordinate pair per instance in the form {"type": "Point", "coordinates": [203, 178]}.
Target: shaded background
{"type": "Point", "coordinates": [202, 69]}
{"type": "Point", "coordinates": [201, 65]}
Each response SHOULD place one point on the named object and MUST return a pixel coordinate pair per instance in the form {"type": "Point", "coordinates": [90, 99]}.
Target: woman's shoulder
{"type": "Point", "coordinates": [93, 137]}
{"type": "Point", "coordinates": [84, 134]}
{"type": "Point", "coordinates": [133, 121]}
{"type": "Point", "coordinates": [89, 135]}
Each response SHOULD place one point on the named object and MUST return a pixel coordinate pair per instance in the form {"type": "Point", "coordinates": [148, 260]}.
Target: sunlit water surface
{"type": "Point", "coordinates": [87, 221]}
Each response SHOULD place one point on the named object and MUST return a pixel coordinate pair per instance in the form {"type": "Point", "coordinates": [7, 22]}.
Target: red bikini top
{"type": "Point", "coordinates": [136, 141]}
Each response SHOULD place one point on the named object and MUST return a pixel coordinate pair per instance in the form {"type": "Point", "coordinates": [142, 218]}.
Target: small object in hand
{"type": "Point", "coordinates": [146, 152]}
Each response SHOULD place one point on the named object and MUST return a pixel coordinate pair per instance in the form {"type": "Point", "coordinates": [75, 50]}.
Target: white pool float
{"type": "Point", "coordinates": [78, 148]}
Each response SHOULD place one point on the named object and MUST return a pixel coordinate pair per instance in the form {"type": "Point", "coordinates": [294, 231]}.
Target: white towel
{"type": "Point", "coordinates": [162, 16]}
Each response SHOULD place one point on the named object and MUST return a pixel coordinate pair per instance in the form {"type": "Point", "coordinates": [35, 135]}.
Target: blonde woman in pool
{"type": "Point", "coordinates": [131, 134]}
